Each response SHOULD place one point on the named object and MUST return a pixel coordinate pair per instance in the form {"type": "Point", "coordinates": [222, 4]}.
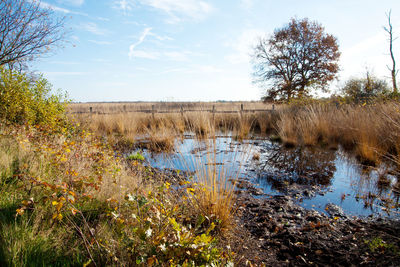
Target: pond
{"type": "Point", "coordinates": [313, 177]}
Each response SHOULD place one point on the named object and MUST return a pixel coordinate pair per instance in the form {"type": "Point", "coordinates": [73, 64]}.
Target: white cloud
{"type": "Point", "coordinates": [177, 10]}
{"type": "Point", "coordinates": [243, 45]}
{"type": "Point", "coordinates": [132, 47]}
{"type": "Point", "coordinates": [60, 9]}
{"type": "Point", "coordinates": [124, 5]}
{"type": "Point", "coordinates": [93, 28]}
{"type": "Point", "coordinates": [72, 2]}
{"type": "Point", "coordinates": [55, 8]}
{"type": "Point", "coordinates": [100, 42]}
{"type": "Point", "coordinates": [162, 38]}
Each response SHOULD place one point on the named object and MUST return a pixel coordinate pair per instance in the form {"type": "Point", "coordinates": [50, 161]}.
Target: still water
{"type": "Point", "coordinates": [313, 177]}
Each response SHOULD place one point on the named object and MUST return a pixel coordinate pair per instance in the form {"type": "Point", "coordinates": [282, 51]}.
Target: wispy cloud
{"type": "Point", "coordinates": [60, 9]}
{"type": "Point", "coordinates": [124, 5]}
{"type": "Point", "coordinates": [177, 10]}
{"type": "Point", "coordinates": [132, 47]}
{"type": "Point", "coordinates": [72, 2]}
{"type": "Point", "coordinates": [55, 8]}
{"type": "Point", "coordinates": [93, 28]}
{"type": "Point", "coordinates": [100, 42]}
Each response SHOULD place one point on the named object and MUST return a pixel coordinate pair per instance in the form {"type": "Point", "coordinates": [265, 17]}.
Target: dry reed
{"type": "Point", "coordinates": [370, 131]}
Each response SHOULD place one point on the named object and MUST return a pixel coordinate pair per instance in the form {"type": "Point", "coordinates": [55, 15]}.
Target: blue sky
{"type": "Point", "coordinates": [199, 50]}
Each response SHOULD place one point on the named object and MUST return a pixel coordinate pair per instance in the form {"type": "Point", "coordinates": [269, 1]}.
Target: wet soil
{"type": "Point", "coordinates": [275, 231]}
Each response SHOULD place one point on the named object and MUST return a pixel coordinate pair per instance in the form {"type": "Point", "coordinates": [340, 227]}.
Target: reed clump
{"type": "Point", "coordinates": [368, 130]}
{"type": "Point", "coordinates": [126, 129]}
{"type": "Point", "coordinates": [212, 194]}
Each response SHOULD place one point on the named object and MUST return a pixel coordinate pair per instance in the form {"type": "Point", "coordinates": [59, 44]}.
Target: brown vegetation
{"type": "Point", "coordinates": [161, 129]}
{"type": "Point", "coordinates": [372, 131]}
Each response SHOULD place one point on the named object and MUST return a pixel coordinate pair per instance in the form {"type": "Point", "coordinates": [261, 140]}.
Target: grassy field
{"type": "Point", "coordinates": [123, 107]}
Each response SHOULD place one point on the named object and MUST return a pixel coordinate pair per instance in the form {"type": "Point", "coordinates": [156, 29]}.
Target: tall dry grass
{"type": "Point", "coordinates": [123, 107]}
{"type": "Point", "coordinates": [214, 184]}
{"type": "Point", "coordinates": [370, 131]}
{"type": "Point", "coordinates": [163, 128]}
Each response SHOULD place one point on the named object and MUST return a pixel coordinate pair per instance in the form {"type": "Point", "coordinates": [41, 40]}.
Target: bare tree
{"type": "Point", "coordinates": [393, 70]}
{"type": "Point", "coordinates": [28, 29]}
{"type": "Point", "coordinates": [295, 59]}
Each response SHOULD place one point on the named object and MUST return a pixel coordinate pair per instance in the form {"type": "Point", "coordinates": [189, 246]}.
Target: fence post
{"type": "Point", "coordinates": [91, 110]}
{"type": "Point", "coordinates": [182, 111]}
{"type": "Point", "coordinates": [213, 113]}
{"type": "Point", "coordinates": [241, 109]}
{"type": "Point", "coordinates": [273, 106]}
{"type": "Point", "coordinates": [153, 109]}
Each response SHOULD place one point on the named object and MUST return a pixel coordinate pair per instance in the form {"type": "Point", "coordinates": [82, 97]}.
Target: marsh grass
{"type": "Point", "coordinates": [214, 183]}
{"type": "Point", "coordinates": [124, 129]}
{"type": "Point", "coordinates": [367, 130]}
{"type": "Point", "coordinates": [370, 131]}
{"type": "Point", "coordinates": [124, 107]}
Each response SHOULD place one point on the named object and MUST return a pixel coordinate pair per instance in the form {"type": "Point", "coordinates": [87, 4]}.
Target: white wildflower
{"type": "Point", "coordinates": [130, 197]}
{"type": "Point", "coordinates": [148, 232]}
{"type": "Point", "coordinates": [162, 247]}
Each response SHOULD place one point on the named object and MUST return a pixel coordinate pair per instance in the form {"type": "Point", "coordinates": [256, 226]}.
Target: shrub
{"type": "Point", "coordinates": [27, 100]}
{"type": "Point", "coordinates": [365, 88]}
{"type": "Point", "coordinates": [136, 156]}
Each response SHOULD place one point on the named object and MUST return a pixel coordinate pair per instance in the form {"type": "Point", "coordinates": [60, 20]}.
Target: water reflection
{"type": "Point", "coordinates": [301, 165]}
{"type": "Point", "coordinates": [331, 176]}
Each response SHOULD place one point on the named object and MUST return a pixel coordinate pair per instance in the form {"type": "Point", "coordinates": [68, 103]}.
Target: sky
{"type": "Point", "coordinates": [199, 50]}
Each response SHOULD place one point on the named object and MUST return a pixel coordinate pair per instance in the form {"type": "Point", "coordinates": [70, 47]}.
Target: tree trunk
{"type": "Point", "coordinates": [393, 70]}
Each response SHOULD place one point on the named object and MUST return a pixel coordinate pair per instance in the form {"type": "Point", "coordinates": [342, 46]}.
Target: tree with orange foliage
{"type": "Point", "coordinates": [296, 59]}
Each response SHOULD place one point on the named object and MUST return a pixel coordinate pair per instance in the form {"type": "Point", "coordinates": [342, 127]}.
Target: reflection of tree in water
{"type": "Point", "coordinates": [376, 186]}
{"type": "Point", "coordinates": [300, 165]}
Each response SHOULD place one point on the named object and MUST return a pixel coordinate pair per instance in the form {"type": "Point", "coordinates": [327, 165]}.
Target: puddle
{"type": "Point", "coordinates": [314, 177]}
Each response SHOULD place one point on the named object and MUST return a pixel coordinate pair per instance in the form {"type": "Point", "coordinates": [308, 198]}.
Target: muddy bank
{"type": "Point", "coordinates": [274, 231]}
